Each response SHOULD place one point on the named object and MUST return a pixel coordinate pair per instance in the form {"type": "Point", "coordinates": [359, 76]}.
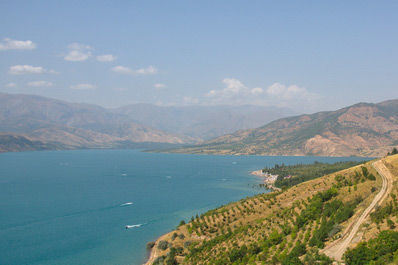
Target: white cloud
{"type": "Point", "coordinates": [257, 91]}
{"type": "Point", "coordinates": [9, 44]}
{"type": "Point", "coordinates": [84, 87]}
{"type": "Point", "coordinates": [78, 52]}
{"type": "Point", "coordinates": [28, 69]}
{"type": "Point", "coordinates": [289, 93]}
{"type": "Point", "coordinates": [11, 85]}
{"type": "Point", "coordinates": [159, 85]}
{"type": "Point", "coordinates": [236, 93]}
{"type": "Point", "coordinates": [150, 70]}
{"type": "Point", "coordinates": [40, 84]}
{"type": "Point", "coordinates": [122, 70]}
{"type": "Point", "coordinates": [106, 58]}
{"type": "Point", "coordinates": [190, 100]}
{"type": "Point", "coordinates": [233, 86]}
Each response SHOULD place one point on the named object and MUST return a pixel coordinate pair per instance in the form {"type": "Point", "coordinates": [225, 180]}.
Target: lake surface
{"type": "Point", "coordinates": [66, 207]}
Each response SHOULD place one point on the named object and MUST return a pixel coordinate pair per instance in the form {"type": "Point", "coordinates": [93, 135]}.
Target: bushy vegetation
{"type": "Point", "coordinates": [393, 152]}
{"type": "Point", "coordinates": [303, 172]}
{"type": "Point", "coordinates": [163, 245]}
{"type": "Point", "coordinates": [382, 213]}
{"type": "Point", "coordinates": [380, 250]}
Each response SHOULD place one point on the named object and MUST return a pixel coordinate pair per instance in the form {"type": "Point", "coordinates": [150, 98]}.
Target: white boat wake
{"type": "Point", "coordinates": [126, 204]}
{"type": "Point", "coordinates": [133, 226]}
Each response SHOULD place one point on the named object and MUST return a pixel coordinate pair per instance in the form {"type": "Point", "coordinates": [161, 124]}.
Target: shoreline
{"type": "Point", "coordinates": [153, 252]}
{"type": "Point", "coordinates": [268, 180]}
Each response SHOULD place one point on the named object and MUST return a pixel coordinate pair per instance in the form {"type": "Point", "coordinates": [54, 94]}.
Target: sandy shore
{"type": "Point", "coordinates": [155, 252]}
{"type": "Point", "coordinates": [268, 183]}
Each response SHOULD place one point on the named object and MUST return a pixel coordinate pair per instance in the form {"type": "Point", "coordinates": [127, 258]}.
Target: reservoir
{"type": "Point", "coordinates": [72, 207]}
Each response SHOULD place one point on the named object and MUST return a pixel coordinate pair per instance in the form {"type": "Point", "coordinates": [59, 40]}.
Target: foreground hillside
{"type": "Point", "coordinates": [314, 222]}
{"type": "Point", "coordinates": [360, 130]}
{"type": "Point", "coordinates": [62, 125]}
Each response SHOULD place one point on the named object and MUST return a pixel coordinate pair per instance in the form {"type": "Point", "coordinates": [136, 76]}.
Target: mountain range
{"type": "Point", "coordinates": [203, 122]}
{"type": "Point", "coordinates": [29, 122]}
{"type": "Point", "coordinates": [362, 129]}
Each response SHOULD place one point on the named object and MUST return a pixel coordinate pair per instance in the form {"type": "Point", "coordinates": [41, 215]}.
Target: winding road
{"type": "Point", "coordinates": [337, 249]}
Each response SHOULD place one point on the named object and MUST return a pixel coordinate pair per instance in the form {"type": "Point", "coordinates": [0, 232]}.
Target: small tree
{"type": "Point", "coordinates": [390, 223]}
{"type": "Point", "coordinates": [150, 245]}
{"type": "Point", "coordinates": [163, 244]}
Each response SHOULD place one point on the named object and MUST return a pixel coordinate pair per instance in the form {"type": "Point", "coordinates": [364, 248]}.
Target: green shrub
{"type": "Point", "coordinates": [163, 245]}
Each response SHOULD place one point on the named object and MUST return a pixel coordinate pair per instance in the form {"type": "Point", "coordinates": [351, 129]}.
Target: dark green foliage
{"type": "Point", "coordinates": [303, 172]}
{"type": "Point", "coordinates": [171, 257]}
{"type": "Point", "coordinates": [181, 223]}
{"type": "Point", "coordinates": [371, 177]}
{"type": "Point", "coordinates": [163, 245]}
{"type": "Point", "coordinates": [383, 212]}
{"type": "Point", "coordinates": [315, 207]}
{"type": "Point", "coordinates": [390, 223]}
{"type": "Point", "coordinates": [332, 214]}
{"type": "Point", "coordinates": [314, 258]}
{"type": "Point", "coordinates": [150, 245]}
{"type": "Point", "coordinates": [237, 254]}
{"type": "Point", "coordinates": [293, 257]}
{"type": "Point", "coordinates": [365, 172]}
{"type": "Point", "coordinates": [292, 261]}
{"type": "Point", "coordinates": [275, 237]}
{"type": "Point", "coordinates": [393, 152]}
{"type": "Point", "coordinates": [379, 250]}
{"type": "Point", "coordinates": [159, 260]}
{"type": "Point", "coordinates": [187, 244]}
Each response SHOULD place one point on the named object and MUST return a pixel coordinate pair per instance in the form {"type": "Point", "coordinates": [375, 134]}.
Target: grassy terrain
{"type": "Point", "coordinates": [289, 227]}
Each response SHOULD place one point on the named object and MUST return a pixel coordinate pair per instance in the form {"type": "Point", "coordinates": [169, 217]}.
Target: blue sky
{"type": "Point", "coordinates": [306, 55]}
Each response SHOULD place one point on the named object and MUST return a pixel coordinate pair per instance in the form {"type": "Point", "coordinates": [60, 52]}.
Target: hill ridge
{"type": "Point", "coordinates": [363, 129]}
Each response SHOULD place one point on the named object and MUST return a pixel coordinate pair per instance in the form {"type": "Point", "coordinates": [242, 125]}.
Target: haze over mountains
{"type": "Point", "coordinates": [363, 129]}
{"type": "Point", "coordinates": [203, 122]}
{"type": "Point", "coordinates": [35, 123]}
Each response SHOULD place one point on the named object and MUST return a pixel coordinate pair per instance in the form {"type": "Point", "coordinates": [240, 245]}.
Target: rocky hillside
{"type": "Point", "coordinates": [314, 222]}
{"type": "Point", "coordinates": [72, 125]}
{"type": "Point", "coordinates": [10, 142]}
{"type": "Point", "coordinates": [363, 129]}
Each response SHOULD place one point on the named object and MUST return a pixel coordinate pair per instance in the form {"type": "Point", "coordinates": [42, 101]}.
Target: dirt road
{"type": "Point", "coordinates": [337, 249]}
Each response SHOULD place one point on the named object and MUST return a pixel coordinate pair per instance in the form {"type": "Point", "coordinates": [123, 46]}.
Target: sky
{"type": "Point", "coordinates": [305, 55]}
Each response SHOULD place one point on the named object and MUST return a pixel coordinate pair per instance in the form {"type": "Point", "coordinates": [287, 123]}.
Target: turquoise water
{"type": "Point", "coordinates": [65, 207]}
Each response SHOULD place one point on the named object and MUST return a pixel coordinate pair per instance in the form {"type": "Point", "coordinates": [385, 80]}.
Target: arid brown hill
{"type": "Point", "coordinates": [56, 124]}
{"type": "Point", "coordinates": [363, 129]}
